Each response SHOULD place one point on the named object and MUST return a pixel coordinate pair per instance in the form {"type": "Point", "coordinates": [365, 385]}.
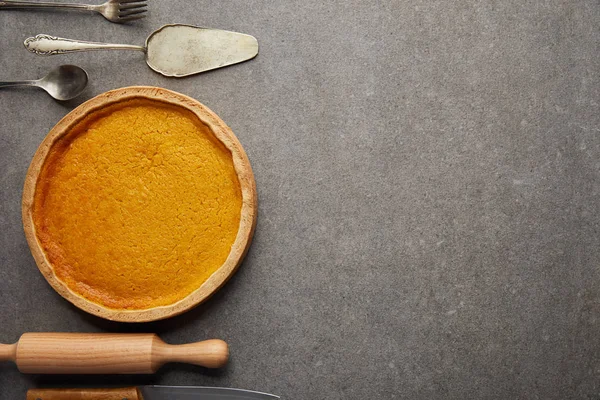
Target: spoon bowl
{"type": "Point", "coordinates": [65, 82]}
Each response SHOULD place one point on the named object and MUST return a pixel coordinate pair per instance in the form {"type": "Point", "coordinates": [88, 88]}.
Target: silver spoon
{"type": "Point", "coordinates": [63, 83]}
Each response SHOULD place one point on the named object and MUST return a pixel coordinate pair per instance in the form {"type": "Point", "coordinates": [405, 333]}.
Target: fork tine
{"type": "Point", "coordinates": [127, 6]}
{"type": "Point", "coordinates": [131, 12]}
{"type": "Point", "coordinates": [127, 19]}
{"type": "Point", "coordinates": [131, 1]}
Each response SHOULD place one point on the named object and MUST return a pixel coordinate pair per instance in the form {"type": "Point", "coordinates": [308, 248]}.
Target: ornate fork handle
{"type": "Point", "coordinates": [48, 45]}
{"type": "Point", "coordinates": [30, 4]}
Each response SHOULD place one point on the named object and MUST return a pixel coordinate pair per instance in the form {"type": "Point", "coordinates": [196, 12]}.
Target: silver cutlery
{"type": "Point", "coordinates": [173, 50]}
{"type": "Point", "coordinates": [63, 83]}
{"type": "Point", "coordinates": [150, 393]}
{"type": "Point", "coordinates": [118, 11]}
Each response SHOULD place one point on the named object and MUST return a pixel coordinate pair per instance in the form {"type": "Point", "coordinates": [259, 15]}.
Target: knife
{"type": "Point", "coordinates": [149, 393]}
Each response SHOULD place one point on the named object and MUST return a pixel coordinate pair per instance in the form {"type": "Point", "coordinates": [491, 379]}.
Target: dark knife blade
{"type": "Point", "coordinates": [200, 393]}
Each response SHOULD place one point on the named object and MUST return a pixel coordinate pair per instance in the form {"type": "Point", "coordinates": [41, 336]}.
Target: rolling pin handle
{"type": "Point", "coordinates": [8, 352]}
{"type": "Point", "coordinates": [213, 353]}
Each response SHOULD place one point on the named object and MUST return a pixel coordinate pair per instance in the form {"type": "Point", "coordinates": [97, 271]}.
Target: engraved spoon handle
{"type": "Point", "coordinates": [47, 45]}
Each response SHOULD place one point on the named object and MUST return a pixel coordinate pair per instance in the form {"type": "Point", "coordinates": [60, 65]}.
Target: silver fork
{"type": "Point", "coordinates": [118, 11]}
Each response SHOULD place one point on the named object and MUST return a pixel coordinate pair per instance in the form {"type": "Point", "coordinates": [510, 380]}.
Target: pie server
{"type": "Point", "coordinates": [149, 393]}
{"type": "Point", "coordinates": [173, 50]}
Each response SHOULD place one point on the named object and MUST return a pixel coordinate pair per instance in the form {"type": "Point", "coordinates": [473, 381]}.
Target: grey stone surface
{"type": "Point", "coordinates": [429, 183]}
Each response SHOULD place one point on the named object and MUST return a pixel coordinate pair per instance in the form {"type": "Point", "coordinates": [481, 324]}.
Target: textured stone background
{"type": "Point", "coordinates": [428, 176]}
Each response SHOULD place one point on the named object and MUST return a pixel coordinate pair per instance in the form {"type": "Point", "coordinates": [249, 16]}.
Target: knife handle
{"type": "Point", "coordinates": [85, 353]}
{"type": "Point", "coordinates": [84, 394]}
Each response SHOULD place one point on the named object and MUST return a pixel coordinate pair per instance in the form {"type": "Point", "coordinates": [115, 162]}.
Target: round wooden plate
{"type": "Point", "coordinates": [242, 168]}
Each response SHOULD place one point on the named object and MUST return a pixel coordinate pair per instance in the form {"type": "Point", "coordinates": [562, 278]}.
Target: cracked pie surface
{"type": "Point", "coordinates": [139, 203]}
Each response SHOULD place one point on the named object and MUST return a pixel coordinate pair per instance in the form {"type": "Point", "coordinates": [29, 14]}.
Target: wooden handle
{"type": "Point", "coordinates": [84, 394]}
{"type": "Point", "coordinates": [209, 353]}
{"type": "Point", "coordinates": [8, 352]}
{"type": "Point", "coordinates": [80, 353]}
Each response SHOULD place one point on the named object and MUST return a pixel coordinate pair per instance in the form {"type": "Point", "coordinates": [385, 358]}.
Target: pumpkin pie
{"type": "Point", "coordinates": [139, 204]}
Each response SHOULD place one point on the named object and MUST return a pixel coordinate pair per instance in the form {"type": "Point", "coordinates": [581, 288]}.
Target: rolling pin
{"type": "Point", "coordinates": [107, 353]}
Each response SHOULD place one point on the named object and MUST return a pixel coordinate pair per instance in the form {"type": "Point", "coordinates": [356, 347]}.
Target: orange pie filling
{"type": "Point", "coordinates": [137, 206]}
